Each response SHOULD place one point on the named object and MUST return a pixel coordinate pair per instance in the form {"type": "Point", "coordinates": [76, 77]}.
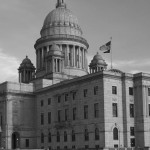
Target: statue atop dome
{"type": "Point", "coordinates": [61, 3]}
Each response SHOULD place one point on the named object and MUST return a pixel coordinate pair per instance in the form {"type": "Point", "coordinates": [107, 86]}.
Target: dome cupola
{"type": "Point", "coordinates": [97, 64]}
{"type": "Point", "coordinates": [26, 71]}
{"type": "Point", "coordinates": [68, 55]}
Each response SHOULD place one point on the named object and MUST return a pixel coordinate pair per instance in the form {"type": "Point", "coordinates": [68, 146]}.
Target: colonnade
{"type": "Point", "coordinates": [74, 56]}
{"type": "Point", "coordinates": [25, 76]}
{"type": "Point", "coordinates": [54, 65]}
{"type": "Point", "coordinates": [96, 69]}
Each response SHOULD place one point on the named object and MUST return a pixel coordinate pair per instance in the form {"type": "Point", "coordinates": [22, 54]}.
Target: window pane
{"type": "Point", "coordinates": [114, 90]}
{"type": "Point", "coordinates": [131, 110]}
{"type": "Point", "coordinates": [115, 134]}
{"type": "Point", "coordinates": [115, 110]}
{"type": "Point", "coordinates": [130, 91]}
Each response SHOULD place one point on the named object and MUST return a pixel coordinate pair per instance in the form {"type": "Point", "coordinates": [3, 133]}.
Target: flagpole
{"type": "Point", "coordinates": [111, 52]}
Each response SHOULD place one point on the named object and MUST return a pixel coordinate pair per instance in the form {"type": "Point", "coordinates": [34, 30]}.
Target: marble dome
{"type": "Point", "coordinates": [61, 21]}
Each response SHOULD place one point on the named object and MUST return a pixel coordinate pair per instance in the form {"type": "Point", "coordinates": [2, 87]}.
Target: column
{"type": "Point", "coordinates": [74, 55]}
{"type": "Point", "coordinates": [24, 73]}
{"type": "Point", "coordinates": [56, 68]}
{"type": "Point", "coordinates": [60, 46]}
{"type": "Point", "coordinates": [83, 59]}
{"type": "Point", "coordinates": [79, 57]}
{"type": "Point", "coordinates": [42, 57]}
{"type": "Point", "coordinates": [36, 59]}
{"type": "Point", "coordinates": [67, 55]}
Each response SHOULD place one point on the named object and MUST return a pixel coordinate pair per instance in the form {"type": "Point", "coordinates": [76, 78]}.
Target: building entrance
{"type": "Point", "coordinates": [15, 140]}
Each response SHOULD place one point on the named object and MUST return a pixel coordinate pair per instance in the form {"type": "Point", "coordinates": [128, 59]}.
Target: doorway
{"type": "Point", "coordinates": [15, 140]}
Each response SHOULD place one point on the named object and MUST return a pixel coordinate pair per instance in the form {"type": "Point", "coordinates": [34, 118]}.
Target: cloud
{"type": "Point", "coordinates": [9, 65]}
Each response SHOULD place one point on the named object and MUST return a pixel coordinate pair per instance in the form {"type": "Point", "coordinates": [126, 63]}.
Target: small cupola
{"type": "Point", "coordinates": [97, 64]}
{"type": "Point", "coordinates": [26, 71]}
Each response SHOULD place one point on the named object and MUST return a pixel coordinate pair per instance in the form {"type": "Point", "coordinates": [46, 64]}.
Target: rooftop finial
{"type": "Point", "coordinates": [61, 3]}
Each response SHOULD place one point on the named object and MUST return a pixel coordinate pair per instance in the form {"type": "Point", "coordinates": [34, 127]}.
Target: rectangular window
{"type": "Point", "coordinates": [59, 99]}
{"type": "Point", "coordinates": [149, 108]}
{"type": "Point", "coordinates": [148, 91]}
{"type": "Point", "coordinates": [132, 140]}
{"type": "Point", "coordinates": [49, 101]}
{"type": "Point", "coordinates": [42, 118]}
{"type": "Point", "coordinates": [49, 117]}
{"type": "Point", "coordinates": [114, 90]}
{"type": "Point", "coordinates": [96, 110]}
{"type": "Point", "coordinates": [66, 114]}
{"type": "Point", "coordinates": [27, 143]}
{"type": "Point", "coordinates": [86, 146]}
{"type": "Point", "coordinates": [86, 112]}
{"type": "Point", "coordinates": [132, 131]}
{"type": "Point", "coordinates": [59, 115]}
{"type": "Point", "coordinates": [74, 95]}
{"type": "Point", "coordinates": [115, 110]}
{"type": "Point", "coordinates": [85, 92]}
{"type": "Point", "coordinates": [130, 90]}
{"type": "Point", "coordinates": [95, 90]}
{"type": "Point", "coordinates": [66, 97]}
{"type": "Point", "coordinates": [74, 113]}
{"type": "Point", "coordinates": [42, 103]}
{"type": "Point", "coordinates": [131, 110]}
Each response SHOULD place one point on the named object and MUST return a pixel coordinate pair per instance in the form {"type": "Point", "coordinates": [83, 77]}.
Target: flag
{"type": "Point", "coordinates": [106, 48]}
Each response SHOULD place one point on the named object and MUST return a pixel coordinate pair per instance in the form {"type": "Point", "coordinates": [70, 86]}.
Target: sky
{"type": "Point", "coordinates": [126, 21]}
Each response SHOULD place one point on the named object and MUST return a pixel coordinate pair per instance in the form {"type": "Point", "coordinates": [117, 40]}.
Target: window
{"type": "Point", "coordinates": [130, 90]}
{"type": "Point", "coordinates": [95, 90]}
{"type": "Point", "coordinates": [86, 112]}
{"type": "Point", "coordinates": [66, 97]}
{"type": "Point", "coordinates": [96, 134]}
{"type": "Point", "coordinates": [132, 140]}
{"type": "Point", "coordinates": [132, 131]}
{"type": "Point", "coordinates": [59, 115]}
{"type": "Point", "coordinates": [49, 101]}
{"type": "Point", "coordinates": [58, 147]}
{"type": "Point", "coordinates": [49, 117]}
{"type": "Point", "coordinates": [86, 135]}
{"type": "Point", "coordinates": [149, 109]}
{"type": "Point", "coordinates": [86, 147]}
{"type": "Point", "coordinates": [58, 137]}
{"type": "Point", "coordinates": [27, 143]}
{"type": "Point", "coordinates": [74, 95]}
{"type": "Point", "coordinates": [97, 146]}
{"type": "Point", "coordinates": [148, 91]}
{"type": "Point", "coordinates": [74, 113]}
{"type": "Point", "coordinates": [65, 136]}
{"type": "Point", "coordinates": [65, 147]}
{"type": "Point", "coordinates": [73, 146]}
{"type": "Point", "coordinates": [73, 136]}
{"type": "Point", "coordinates": [115, 134]}
{"type": "Point", "coordinates": [116, 145]}
{"type": "Point", "coordinates": [115, 110]}
{"type": "Point", "coordinates": [59, 99]}
{"type": "Point", "coordinates": [42, 137]}
{"type": "Point", "coordinates": [66, 114]}
{"type": "Point", "coordinates": [96, 110]}
{"type": "Point", "coordinates": [85, 92]}
{"type": "Point", "coordinates": [42, 118]}
{"type": "Point", "coordinates": [42, 103]}
{"type": "Point", "coordinates": [131, 110]}
{"type": "Point", "coordinates": [114, 90]}
{"type": "Point", "coordinates": [49, 137]}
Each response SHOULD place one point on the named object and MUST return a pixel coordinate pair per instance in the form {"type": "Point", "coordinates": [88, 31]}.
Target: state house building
{"type": "Point", "coordinates": [59, 105]}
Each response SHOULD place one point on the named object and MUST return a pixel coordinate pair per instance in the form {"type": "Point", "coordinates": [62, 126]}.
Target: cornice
{"type": "Point", "coordinates": [62, 37]}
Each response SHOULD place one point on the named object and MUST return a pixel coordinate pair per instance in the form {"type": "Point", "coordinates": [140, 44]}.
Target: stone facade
{"type": "Point", "coordinates": [63, 106]}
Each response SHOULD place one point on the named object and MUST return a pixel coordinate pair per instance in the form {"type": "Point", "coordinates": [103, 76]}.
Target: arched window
{"type": "Point", "coordinates": [96, 134]}
{"type": "Point", "coordinates": [58, 137]}
{"type": "Point", "coordinates": [49, 137]}
{"type": "Point", "coordinates": [115, 134]}
{"type": "Point", "coordinates": [42, 137]}
{"type": "Point", "coordinates": [65, 136]}
{"type": "Point", "coordinates": [73, 136]}
{"type": "Point", "coordinates": [86, 135]}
